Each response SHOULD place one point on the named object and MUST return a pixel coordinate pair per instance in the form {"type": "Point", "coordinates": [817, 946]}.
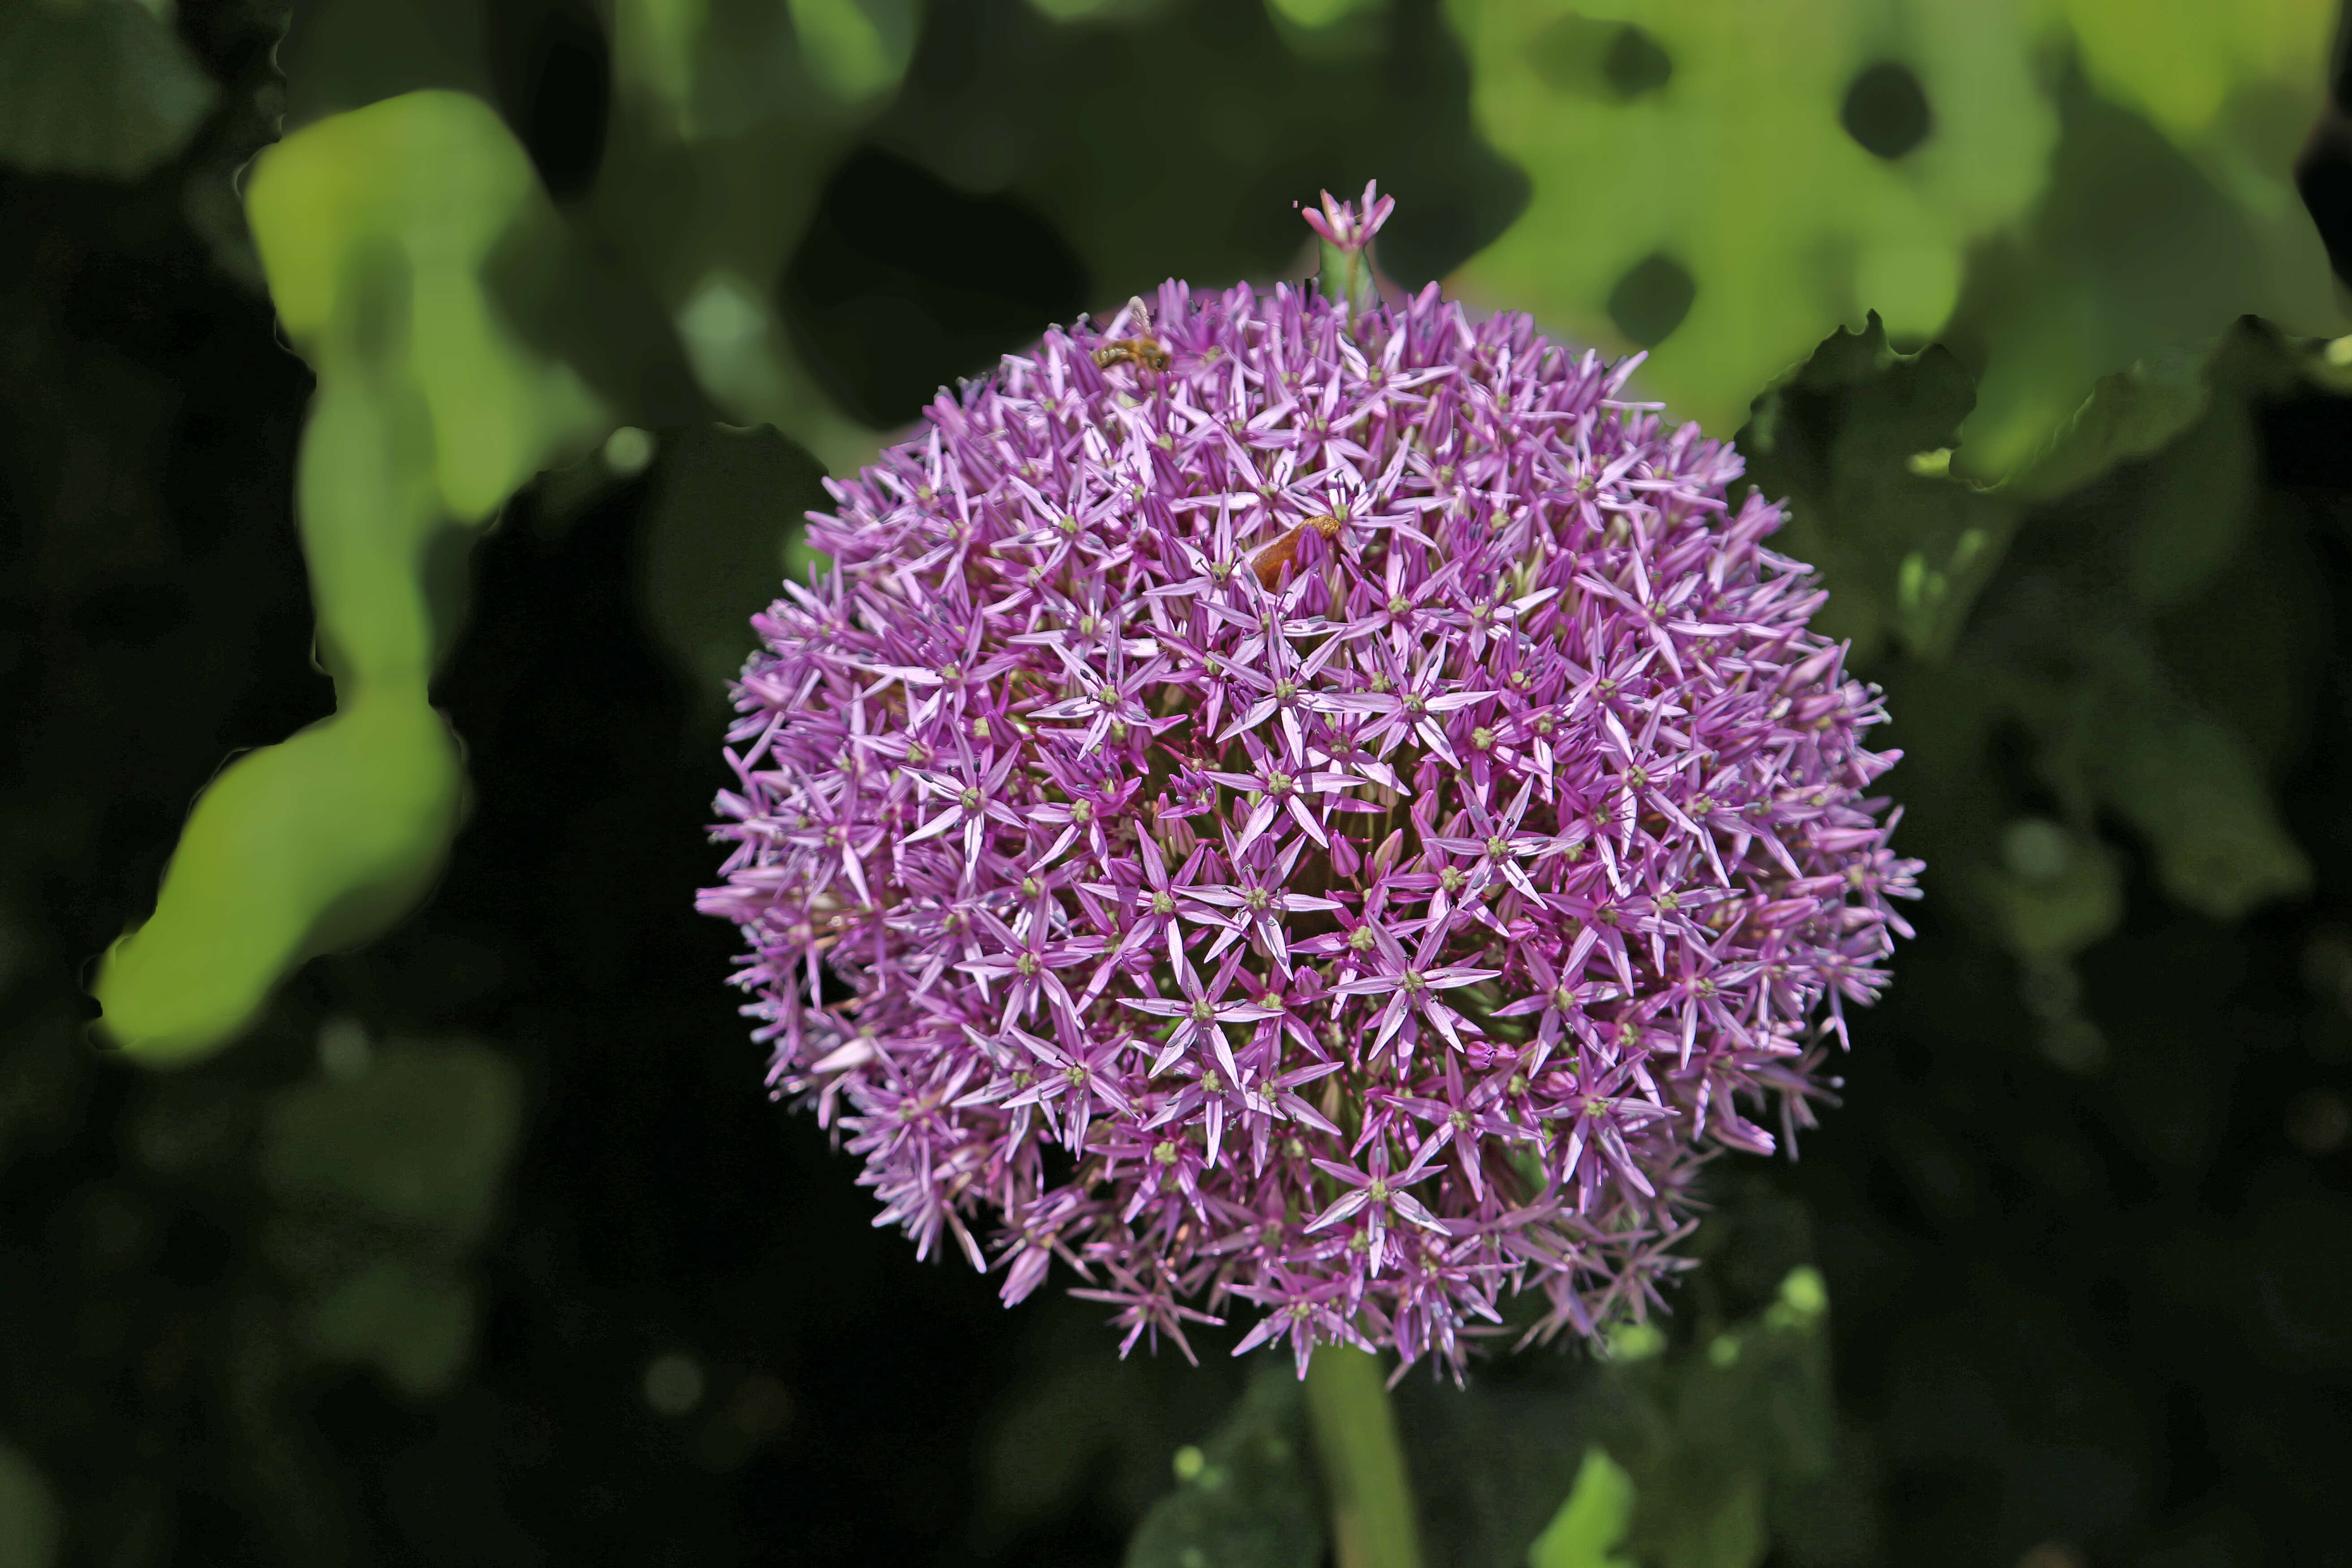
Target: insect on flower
{"type": "Point", "coordinates": [1144, 352]}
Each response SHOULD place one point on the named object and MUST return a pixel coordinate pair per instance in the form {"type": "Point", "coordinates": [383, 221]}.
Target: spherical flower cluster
{"type": "Point", "coordinates": [1326, 809]}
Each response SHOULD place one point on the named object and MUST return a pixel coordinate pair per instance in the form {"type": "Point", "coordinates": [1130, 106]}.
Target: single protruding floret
{"type": "Point", "coordinates": [1333, 815]}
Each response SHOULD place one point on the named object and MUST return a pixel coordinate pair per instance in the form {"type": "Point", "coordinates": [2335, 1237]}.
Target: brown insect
{"type": "Point", "coordinates": [1144, 352]}
{"type": "Point", "coordinates": [1270, 562]}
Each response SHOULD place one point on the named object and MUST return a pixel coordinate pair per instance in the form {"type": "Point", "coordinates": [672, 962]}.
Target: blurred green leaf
{"type": "Point", "coordinates": [857, 47]}
{"type": "Point", "coordinates": [98, 88]}
{"type": "Point", "coordinates": [297, 848]}
{"type": "Point", "coordinates": [30, 1527]}
{"type": "Point", "coordinates": [1726, 183]}
{"type": "Point", "coordinates": [2129, 415]}
{"type": "Point", "coordinates": [414, 1323]}
{"type": "Point", "coordinates": [1728, 1533]}
{"type": "Point", "coordinates": [1584, 1533]}
{"type": "Point", "coordinates": [2135, 250]}
{"type": "Point", "coordinates": [713, 70]}
{"type": "Point", "coordinates": [1243, 1499]}
{"type": "Point", "coordinates": [2186, 64]}
{"type": "Point", "coordinates": [2057, 905]}
{"type": "Point", "coordinates": [375, 228]}
{"type": "Point", "coordinates": [1700, 140]}
{"type": "Point", "coordinates": [421, 1136]}
{"type": "Point", "coordinates": [386, 1172]}
{"type": "Point", "coordinates": [2196, 790]}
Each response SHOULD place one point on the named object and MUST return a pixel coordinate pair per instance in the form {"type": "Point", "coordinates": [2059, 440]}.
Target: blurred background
{"type": "Point", "coordinates": [423, 1203]}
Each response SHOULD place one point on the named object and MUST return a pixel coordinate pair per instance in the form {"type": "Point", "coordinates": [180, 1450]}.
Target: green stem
{"type": "Point", "coordinates": [1363, 1466]}
{"type": "Point", "coordinates": [1346, 278]}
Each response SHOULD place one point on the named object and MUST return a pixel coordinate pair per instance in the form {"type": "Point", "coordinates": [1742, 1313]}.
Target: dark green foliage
{"type": "Point", "coordinates": [99, 89]}
{"type": "Point", "coordinates": [1720, 1424]}
{"type": "Point", "coordinates": [1245, 1497]}
{"type": "Point", "coordinates": [2106, 542]}
{"type": "Point", "coordinates": [723, 503]}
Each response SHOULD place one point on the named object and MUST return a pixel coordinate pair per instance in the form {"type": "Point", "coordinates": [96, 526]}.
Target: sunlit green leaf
{"type": "Point", "coordinates": [2136, 251]}
{"type": "Point", "coordinates": [1584, 1533]}
{"type": "Point", "coordinates": [1695, 191]}
{"type": "Point", "coordinates": [1725, 184]}
{"type": "Point", "coordinates": [2185, 64]}
{"type": "Point", "coordinates": [314, 842]}
{"type": "Point", "coordinates": [376, 228]}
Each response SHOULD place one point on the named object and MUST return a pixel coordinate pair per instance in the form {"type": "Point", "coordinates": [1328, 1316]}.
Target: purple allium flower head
{"type": "Point", "coordinates": [1336, 815]}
